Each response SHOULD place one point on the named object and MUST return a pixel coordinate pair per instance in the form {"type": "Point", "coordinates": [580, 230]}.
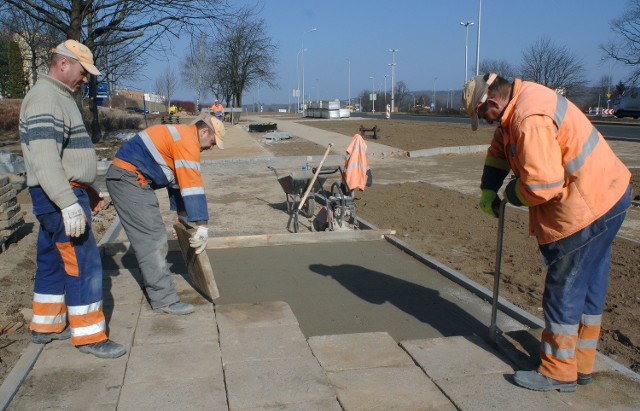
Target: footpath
{"type": "Point", "coordinates": [255, 355]}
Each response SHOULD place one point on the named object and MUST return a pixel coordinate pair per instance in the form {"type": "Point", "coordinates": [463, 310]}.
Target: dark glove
{"type": "Point", "coordinates": [510, 193]}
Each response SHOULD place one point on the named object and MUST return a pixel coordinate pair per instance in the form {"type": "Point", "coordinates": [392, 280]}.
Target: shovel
{"type": "Point", "coordinates": [493, 328]}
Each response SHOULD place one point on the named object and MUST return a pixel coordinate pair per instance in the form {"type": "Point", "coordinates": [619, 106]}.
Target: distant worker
{"type": "Point", "coordinates": [218, 110]}
{"type": "Point", "coordinates": [61, 167]}
{"type": "Point", "coordinates": [577, 192]}
{"type": "Point", "coordinates": [163, 156]}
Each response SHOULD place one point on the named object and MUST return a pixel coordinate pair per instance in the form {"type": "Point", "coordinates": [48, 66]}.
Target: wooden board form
{"type": "Point", "coordinates": [198, 265]}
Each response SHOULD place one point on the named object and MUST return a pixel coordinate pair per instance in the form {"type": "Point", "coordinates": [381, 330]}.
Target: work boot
{"type": "Point", "coordinates": [45, 338]}
{"type": "Point", "coordinates": [533, 380]}
{"type": "Point", "coordinates": [584, 379]}
{"type": "Point", "coordinates": [104, 349]}
{"type": "Point", "coordinates": [177, 308]}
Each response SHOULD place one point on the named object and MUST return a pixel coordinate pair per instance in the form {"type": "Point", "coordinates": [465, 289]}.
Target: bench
{"type": "Point", "coordinates": [373, 130]}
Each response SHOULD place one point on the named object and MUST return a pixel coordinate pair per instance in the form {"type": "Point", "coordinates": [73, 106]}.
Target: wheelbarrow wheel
{"type": "Point", "coordinates": [309, 207]}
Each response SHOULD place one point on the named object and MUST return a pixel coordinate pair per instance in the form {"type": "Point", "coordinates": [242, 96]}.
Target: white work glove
{"type": "Point", "coordinates": [74, 220]}
{"type": "Point", "coordinates": [199, 239]}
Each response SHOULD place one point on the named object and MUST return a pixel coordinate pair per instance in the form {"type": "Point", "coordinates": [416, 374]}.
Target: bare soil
{"type": "Point", "coordinates": [443, 223]}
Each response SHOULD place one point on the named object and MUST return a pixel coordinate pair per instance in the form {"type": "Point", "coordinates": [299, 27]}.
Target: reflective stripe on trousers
{"type": "Point", "coordinates": [574, 295]}
{"type": "Point", "coordinates": [68, 280]}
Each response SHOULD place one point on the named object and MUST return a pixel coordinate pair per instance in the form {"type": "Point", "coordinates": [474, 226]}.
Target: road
{"type": "Point", "coordinates": [625, 131]}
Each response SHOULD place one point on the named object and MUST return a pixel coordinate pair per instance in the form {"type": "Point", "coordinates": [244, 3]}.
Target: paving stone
{"type": "Point", "coordinates": [275, 382]}
{"type": "Point", "coordinates": [254, 315]}
{"type": "Point", "coordinates": [158, 328]}
{"type": "Point", "coordinates": [388, 388]}
{"type": "Point", "coordinates": [455, 357]}
{"type": "Point", "coordinates": [122, 320]}
{"type": "Point", "coordinates": [320, 405]}
{"type": "Point", "coordinates": [174, 361]}
{"type": "Point", "coordinates": [263, 343]}
{"type": "Point", "coordinates": [83, 382]}
{"type": "Point", "coordinates": [192, 394]}
{"type": "Point", "coordinates": [354, 351]}
{"type": "Point", "coordinates": [498, 392]}
{"type": "Point", "coordinates": [121, 288]}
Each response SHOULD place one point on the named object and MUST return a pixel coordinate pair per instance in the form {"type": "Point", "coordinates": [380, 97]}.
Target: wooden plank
{"type": "Point", "coordinates": [297, 238]}
{"type": "Point", "coordinates": [198, 265]}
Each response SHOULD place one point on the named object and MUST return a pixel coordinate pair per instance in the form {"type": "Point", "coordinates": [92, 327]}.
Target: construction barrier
{"type": "Point", "coordinates": [388, 115]}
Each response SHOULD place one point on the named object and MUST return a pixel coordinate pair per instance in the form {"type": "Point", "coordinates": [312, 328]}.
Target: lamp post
{"type": "Point", "coordinates": [308, 31]}
{"type": "Point", "coordinates": [478, 40]}
{"type": "Point", "coordinates": [434, 94]}
{"type": "Point", "coordinates": [385, 89]}
{"type": "Point", "coordinates": [349, 61]}
{"type": "Point", "coordinates": [393, 77]}
{"type": "Point", "coordinates": [373, 94]}
{"type": "Point", "coordinates": [298, 74]}
{"type": "Point", "coordinates": [466, 48]}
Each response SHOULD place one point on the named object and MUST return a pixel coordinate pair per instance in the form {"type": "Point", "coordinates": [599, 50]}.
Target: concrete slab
{"type": "Point", "coordinates": [84, 382]}
{"type": "Point", "coordinates": [174, 361]}
{"type": "Point", "coordinates": [260, 314]}
{"type": "Point", "coordinates": [159, 328]}
{"type": "Point", "coordinates": [273, 383]}
{"type": "Point", "coordinates": [320, 405]}
{"type": "Point", "coordinates": [497, 392]}
{"type": "Point", "coordinates": [446, 358]}
{"type": "Point", "coordinates": [608, 391]}
{"type": "Point", "coordinates": [121, 287]}
{"type": "Point", "coordinates": [263, 343]}
{"type": "Point", "coordinates": [346, 288]}
{"type": "Point", "coordinates": [62, 354]}
{"type": "Point", "coordinates": [356, 351]}
{"type": "Point", "coordinates": [193, 394]}
{"type": "Point", "coordinates": [122, 320]}
{"type": "Point", "coordinates": [389, 388]}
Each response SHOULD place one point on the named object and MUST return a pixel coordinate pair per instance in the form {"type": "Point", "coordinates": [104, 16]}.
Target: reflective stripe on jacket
{"type": "Point", "coordinates": [169, 155]}
{"type": "Point", "coordinates": [568, 175]}
{"type": "Point", "coordinates": [356, 165]}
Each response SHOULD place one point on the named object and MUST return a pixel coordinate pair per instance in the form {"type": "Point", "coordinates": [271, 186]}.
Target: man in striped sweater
{"type": "Point", "coordinates": [61, 165]}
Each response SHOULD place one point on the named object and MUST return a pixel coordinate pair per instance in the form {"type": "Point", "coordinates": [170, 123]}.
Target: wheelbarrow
{"type": "Point", "coordinates": [294, 186]}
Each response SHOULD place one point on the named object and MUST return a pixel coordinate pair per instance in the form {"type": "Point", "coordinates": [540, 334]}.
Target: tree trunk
{"type": "Point", "coordinates": [96, 135]}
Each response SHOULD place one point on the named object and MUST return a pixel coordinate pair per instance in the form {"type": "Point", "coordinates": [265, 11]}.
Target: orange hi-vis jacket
{"type": "Point", "coordinates": [568, 175]}
{"type": "Point", "coordinates": [356, 164]}
{"type": "Point", "coordinates": [217, 110]}
{"type": "Point", "coordinates": [168, 155]}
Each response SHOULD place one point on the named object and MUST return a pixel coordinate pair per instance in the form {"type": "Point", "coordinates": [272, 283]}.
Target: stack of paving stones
{"type": "Point", "coordinates": [11, 217]}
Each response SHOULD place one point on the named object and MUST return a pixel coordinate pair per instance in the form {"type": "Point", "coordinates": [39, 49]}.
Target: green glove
{"type": "Point", "coordinates": [488, 198]}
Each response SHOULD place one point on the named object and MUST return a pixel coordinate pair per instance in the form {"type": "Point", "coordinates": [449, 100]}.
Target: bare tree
{"type": "Point", "coordinates": [166, 85]}
{"type": "Point", "coordinates": [500, 67]}
{"type": "Point", "coordinates": [401, 93]}
{"type": "Point", "coordinates": [553, 66]}
{"type": "Point", "coordinates": [245, 57]}
{"type": "Point", "coordinates": [626, 47]}
{"type": "Point", "coordinates": [194, 70]}
{"type": "Point", "coordinates": [137, 26]}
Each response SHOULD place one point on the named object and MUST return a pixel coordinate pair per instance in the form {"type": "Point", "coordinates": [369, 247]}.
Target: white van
{"type": "Point", "coordinates": [629, 105]}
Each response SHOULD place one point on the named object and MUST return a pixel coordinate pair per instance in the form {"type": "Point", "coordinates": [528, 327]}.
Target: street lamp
{"type": "Point", "coordinates": [298, 74]}
{"type": "Point", "coordinates": [478, 40]}
{"type": "Point", "coordinates": [466, 47]}
{"type": "Point", "coordinates": [349, 61]}
{"type": "Point", "coordinates": [385, 90]}
{"type": "Point", "coordinates": [308, 31]}
{"type": "Point", "coordinates": [373, 94]}
{"type": "Point", "coordinates": [434, 94]}
{"type": "Point", "coordinates": [393, 77]}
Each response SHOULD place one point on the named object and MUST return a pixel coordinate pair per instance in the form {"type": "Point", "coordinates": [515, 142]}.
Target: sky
{"type": "Point", "coordinates": [353, 39]}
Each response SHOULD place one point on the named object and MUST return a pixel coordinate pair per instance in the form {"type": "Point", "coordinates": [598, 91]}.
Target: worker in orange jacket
{"type": "Point", "coordinates": [163, 156]}
{"type": "Point", "coordinates": [577, 192]}
{"type": "Point", "coordinates": [217, 110]}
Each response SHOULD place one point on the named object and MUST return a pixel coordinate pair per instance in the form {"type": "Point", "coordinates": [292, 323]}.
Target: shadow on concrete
{"type": "Point", "coordinates": [425, 304]}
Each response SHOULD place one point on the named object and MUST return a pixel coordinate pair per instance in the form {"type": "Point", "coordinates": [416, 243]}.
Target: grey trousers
{"type": "Point", "coordinates": [139, 213]}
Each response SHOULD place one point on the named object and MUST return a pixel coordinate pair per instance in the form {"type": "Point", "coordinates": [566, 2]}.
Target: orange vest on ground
{"type": "Point", "coordinates": [568, 175]}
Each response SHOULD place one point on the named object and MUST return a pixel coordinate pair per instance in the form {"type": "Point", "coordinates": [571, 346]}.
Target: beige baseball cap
{"type": "Point", "coordinates": [215, 125]}
{"type": "Point", "coordinates": [475, 93]}
{"type": "Point", "coordinates": [77, 51]}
